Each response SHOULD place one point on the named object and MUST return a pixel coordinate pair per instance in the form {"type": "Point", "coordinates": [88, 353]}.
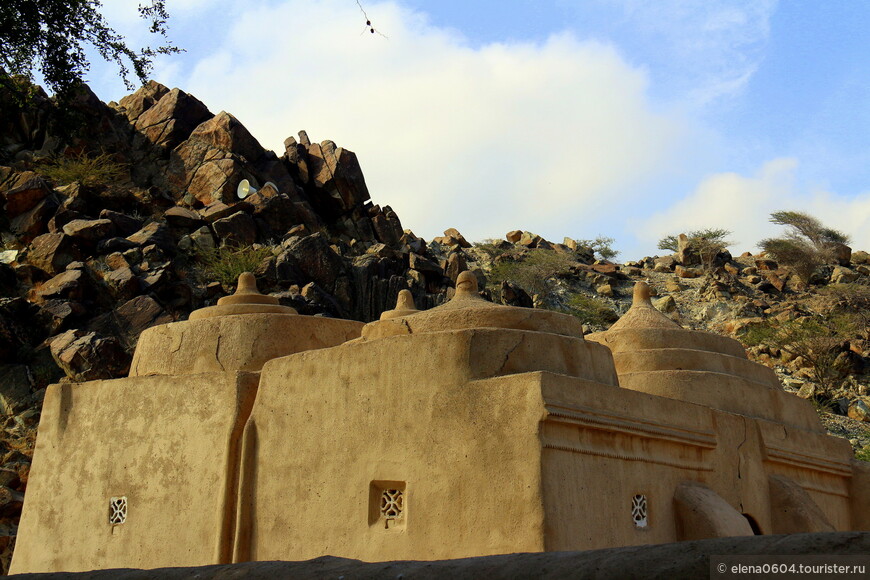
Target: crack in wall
{"type": "Point", "coordinates": [217, 353]}
{"type": "Point", "coordinates": [739, 455]}
{"type": "Point", "coordinates": [507, 356]}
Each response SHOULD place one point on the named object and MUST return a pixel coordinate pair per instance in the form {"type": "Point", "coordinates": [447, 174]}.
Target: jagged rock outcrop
{"type": "Point", "coordinates": [86, 251]}
{"type": "Point", "coordinates": [171, 119]}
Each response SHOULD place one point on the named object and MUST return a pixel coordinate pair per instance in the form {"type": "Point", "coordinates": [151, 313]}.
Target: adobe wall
{"type": "Point", "coordinates": [168, 444]}
{"type": "Point", "coordinates": [602, 448]}
{"type": "Point", "coordinates": [405, 410]}
{"type": "Point", "coordinates": [600, 451]}
{"type": "Point", "coordinates": [164, 441]}
{"type": "Point", "coordinates": [470, 451]}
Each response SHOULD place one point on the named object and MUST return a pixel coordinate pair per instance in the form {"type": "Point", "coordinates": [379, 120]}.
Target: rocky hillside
{"type": "Point", "coordinates": [815, 336]}
{"type": "Point", "coordinates": [121, 216]}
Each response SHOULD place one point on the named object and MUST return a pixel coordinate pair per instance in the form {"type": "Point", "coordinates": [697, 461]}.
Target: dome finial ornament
{"type": "Point", "coordinates": [466, 286]}
{"type": "Point", "coordinates": [641, 294]}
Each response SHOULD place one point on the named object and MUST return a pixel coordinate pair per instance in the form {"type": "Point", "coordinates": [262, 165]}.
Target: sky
{"type": "Point", "coordinates": [621, 118]}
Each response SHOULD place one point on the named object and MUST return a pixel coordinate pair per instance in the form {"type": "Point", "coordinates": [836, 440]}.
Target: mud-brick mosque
{"type": "Point", "coordinates": [250, 432]}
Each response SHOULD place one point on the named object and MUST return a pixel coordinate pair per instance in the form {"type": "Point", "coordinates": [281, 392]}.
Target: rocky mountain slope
{"type": "Point", "coordinates": [132, 219]}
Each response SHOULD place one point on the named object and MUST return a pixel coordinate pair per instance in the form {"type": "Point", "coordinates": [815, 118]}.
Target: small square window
{"type": "Point", "coordinates": [388, 504]}
{"type": "Point", "coordinates": [118, 510]}
{"type": "Point", "coordinates": [392, 503]}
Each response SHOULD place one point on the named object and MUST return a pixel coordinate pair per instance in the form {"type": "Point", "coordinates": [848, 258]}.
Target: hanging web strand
{"type": "Point", "coordinates": [369, 26]}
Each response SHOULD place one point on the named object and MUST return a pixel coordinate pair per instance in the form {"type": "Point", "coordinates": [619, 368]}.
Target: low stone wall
{"type": "Point", "coordinates": [688, 560]}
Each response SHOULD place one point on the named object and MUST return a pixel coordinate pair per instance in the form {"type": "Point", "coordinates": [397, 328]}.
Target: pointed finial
{"type": "Point", "coordinates": [247, 293]}
{"type": "Point", "coordinates": [466, 285]}
{"type": "Point", "coordinates": [246, 300]}
{"type": "Point", "coordinates": [247, 284]}
{"type": "Point", "coordinates": [641, 294]}
{"type": "Point", "coordinates": [642, 313]}
{"type": "Point", "coordinates": [404, 306]}
{"type": "Point", "coordinates": [405, 301]}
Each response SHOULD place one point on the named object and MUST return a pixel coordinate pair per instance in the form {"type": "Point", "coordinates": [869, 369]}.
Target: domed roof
{"type": "Point", "coordinates": [246, 300]}
{"type": "Point", "coordinates": [654, 354]}
{"type": "Point", "coordinates": [241, 333]}
{"type": "Point", "coordinates": [642, 313]}
{"type": "Point", "coordinates": [468, 310]}
{"type": "Point", "coordinates": [645, 327]}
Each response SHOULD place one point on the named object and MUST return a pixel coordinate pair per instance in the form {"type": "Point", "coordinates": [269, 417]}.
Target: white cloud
{"type": "Point", "coordinates": [552, 137]}
{"type": "Point", "coordinates": [710, 50]}
{"type": "Point", "coordinates": [744, 204]}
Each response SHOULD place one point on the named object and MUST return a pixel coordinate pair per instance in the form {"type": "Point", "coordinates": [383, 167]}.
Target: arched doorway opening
{"type": "Point", "coordinates": [756, 529]}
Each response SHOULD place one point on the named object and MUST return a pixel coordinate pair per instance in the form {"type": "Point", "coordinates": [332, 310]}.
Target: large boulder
{"type": "Point", "coordinates": [183, 218]}
{"type": "Point", "coordinates": [68, 285]}
{"type": "Point", "coordinates": [216, 179]}
{"type": "Point", "coordinates": [147, 96]}
{"type": "Point", "coordinates": [277, 214]}
{"type": "Point", "coordinates": [313, 256]}
{"type": "Point", "coordinates": [514, 295]}
{"type": "Point", "coordinates": [221, 152]}
{"type": "Point", "coordinates": [129, 320]}
{"type": "Point", "coordinates": [843, 275]}
{"type": "Point", "coordinates": [424, 265]}
{"type": "Point", "coordinates": [224, 132]}
{"type": "Point", "coordinates": [387, 226]}
{"type": "Point", "coordinates": [122, 283]}
{"type": "Point", "coordinates": [236, 230]}
{"type": "Point", "coordinates": [124, 224]}
{"type": "Point", "coordinates": [687, 252]}
{"type": "Point", "coordinates": [61, 315]}
{"type": "Point", "coordinates": [336, 171]}
{"type": "Point", "coordinates": [89, 230]}
{"type": "Point", "coordinates": [52, 252]}
{"type": "Point", "coordinates": [156, 233]}
{"type": "Point", "coordinates": [34, 222]}
{"type": "Point", "coordinates": [859, 409]}
{"type": "Point", "coordinates": [86, 356]}
{"type": "Point", "coordinates": [26, 196]}
{"type": "Point", "coordinates": [842, 254]}
{"type": "Point", "coordinates": [171, 120]}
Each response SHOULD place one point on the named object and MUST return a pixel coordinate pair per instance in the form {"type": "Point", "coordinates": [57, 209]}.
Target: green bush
{"type": "Point", "coordinates": [591, 311]}
{"type": "Point", "coordinates": [816, 338]}
{"type": "Point", "coordinates": [532, 271]}
{"type": "Point", "coordinates": [601, 245]}
{"type": "Point", "coordinates": [707, 243]}
{"type": "Point", "coordinates": [225, 264]}
{"type": "Point", "coordinates": [863, 454]}
{"type": "Point", "coordinates": [821, 404]}
{"type": "Point", "coordinates": [807, 243]}
{"type": "Point", "coordinates": [850, 301]}
{"type": "Point", "coordinates": [759, 333]}
{"type": "Point", "coordinates": [710, 235]}
{"type": "Point", "coordinates": [99, 170]}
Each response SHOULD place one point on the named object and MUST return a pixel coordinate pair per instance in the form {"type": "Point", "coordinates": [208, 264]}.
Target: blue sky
{"type": "Point", "coordinates": [627, 118]}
